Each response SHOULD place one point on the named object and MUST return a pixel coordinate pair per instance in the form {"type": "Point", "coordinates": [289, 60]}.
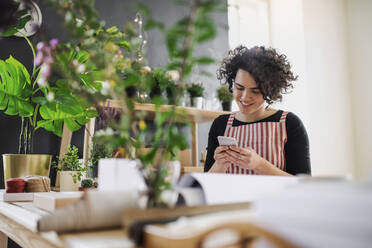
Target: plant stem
{"type": "Point", "coordinates": [153, 200]}
{"type": "Point", "coordinates": [33, 53]}
{"type": "Point", "coordinates": [33, 93]}
{"type": "Point", "coordinates": [188, 38]}
{"type": "Point", "coordinates": [187, 45]}
{"type": "Point", "coordinates": [21, 137]}
{"type": "Point", "coordinates": [30, 135]}
{"type": "Point", "coordinates": [25, 136]}
{"type": "Point", "coordinates": [33, 122]}
{"type": "Point", "coordinates": [27, 127]}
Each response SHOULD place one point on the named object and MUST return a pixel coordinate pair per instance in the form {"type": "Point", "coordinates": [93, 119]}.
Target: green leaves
{"type": "Point", "coordinates": [124, 44]}
{"type": "Point", "coordinates": [204, 29]}
{"type": "Point", "coordinates": [64, 108]}
{"type": "Point", "coordinates": [22, 18]}
{"type": "Point", "coordinates": [82, 56]}
{"type": "Point", "coordinates": [54, 117]}
{"type": "Point", "coordinates": [15, 88]}
{"type": "Point", "coordinates": [204, 60]}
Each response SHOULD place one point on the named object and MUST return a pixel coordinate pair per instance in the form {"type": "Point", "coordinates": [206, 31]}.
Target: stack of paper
{"type": "Point", "coordinates": [320, 214]}
{"type": "Point", "coordinates": [16, 197]}
{"type": "Point", "coordinates": [51, 201]}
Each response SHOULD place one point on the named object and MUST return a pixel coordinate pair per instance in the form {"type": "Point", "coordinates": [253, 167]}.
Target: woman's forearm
{"type": "Point", "coordinates": [266, 168]}
{"type": "Point", "coordinates": [218, 168]}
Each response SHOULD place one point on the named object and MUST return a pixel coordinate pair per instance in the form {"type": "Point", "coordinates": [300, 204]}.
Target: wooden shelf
{"type": "Point", "coordinates": [186, 114]}
{"type": "Point", "coordinates": [190, 169]}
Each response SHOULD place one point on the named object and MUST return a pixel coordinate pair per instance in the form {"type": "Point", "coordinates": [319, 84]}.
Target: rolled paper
{"type": "Point", "coordinates": [96, 210]}
{"type": "Point", "coordinates": [37, 184]}
{"type": "Point", "coordinates": [15, 185]}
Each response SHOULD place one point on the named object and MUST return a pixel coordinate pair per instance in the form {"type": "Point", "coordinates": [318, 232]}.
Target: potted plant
{"type": "Point", "coordinates": [86, 184]}
{"type": "Point", "coordinates": [157, 83]}
{"type": "Point", "coordinates": [225, 96]}
{"type": "Point", "coordinates": [71, 170]}
{"type": "Point", "coordinates": [173, 88]}
{"type": "Point", "coordinates": [37, 103]}
{"type": "Point", "coordinates": [98, 151]}
{"type": "Point", "coordinates": [196, 91]}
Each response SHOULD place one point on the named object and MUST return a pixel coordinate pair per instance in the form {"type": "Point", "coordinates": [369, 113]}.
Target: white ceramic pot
{"type": "Point", "coordinates": [197, 102]}
{"type": "Point", "coordinates": [66, 182]}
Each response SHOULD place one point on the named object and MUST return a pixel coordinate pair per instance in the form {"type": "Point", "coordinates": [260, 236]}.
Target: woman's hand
{"type": "Point", "coordinates": [243, 157]}
{"type": "Point", "coordinates": [220, 155]}
{"type": "Point", "coordinates": [221, 162]}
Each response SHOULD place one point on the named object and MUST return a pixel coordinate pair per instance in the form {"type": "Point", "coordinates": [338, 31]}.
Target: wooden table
{"type": "Point", "coordinates": [18, 221]}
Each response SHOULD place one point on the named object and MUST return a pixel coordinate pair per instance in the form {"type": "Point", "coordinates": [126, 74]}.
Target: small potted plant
{"type": "Point", "coordinates": [87, 184]}
{"type": "Point", "coordinates": [71, 170]}
{"type": "Point", "coordinates": [225, 96]}
{"type": "Point", "coordinates": [97, 152]}
{"type": "Point", "coordinates": [157, 83]}
{"type": "Point", "coordinates": [196, 91]}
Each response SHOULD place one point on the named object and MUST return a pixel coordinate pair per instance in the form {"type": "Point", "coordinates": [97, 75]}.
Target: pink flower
{"type": "Point", "coordinates": [41, 82]}
{"type": "Point", "coordinates": [38, 58]}
{"type": "Point", "coordinates": [53, 43]}
{"type": "Point", "coordinates": [41, 45]}
{"type": "Point", "coordinates": [48, 60]}
{"type": "Point", "coordinates": [45, 70]}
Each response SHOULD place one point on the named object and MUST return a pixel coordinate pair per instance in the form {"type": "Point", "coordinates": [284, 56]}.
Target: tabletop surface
{"type": "Point", "coordinates": [18, 220]}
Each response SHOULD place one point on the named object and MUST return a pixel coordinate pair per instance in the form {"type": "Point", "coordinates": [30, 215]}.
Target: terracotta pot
{"type": "Point", "coordinates": [86, 188]}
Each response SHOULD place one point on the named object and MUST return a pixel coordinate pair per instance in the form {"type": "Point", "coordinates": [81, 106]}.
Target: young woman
{"type": "Point", "coordinates": [270, 141]}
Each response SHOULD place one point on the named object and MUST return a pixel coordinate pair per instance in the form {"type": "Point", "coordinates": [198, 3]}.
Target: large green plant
{"type": "Point", "coordinates": [116, 64]}
{"type": "Point", "coordinates": [39, 104]}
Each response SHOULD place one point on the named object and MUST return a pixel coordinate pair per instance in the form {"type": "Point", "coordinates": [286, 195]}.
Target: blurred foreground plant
{"type": "Point", "coordinates": [114, 68]}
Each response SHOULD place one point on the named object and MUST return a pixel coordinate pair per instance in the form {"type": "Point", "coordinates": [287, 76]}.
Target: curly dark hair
{"type": "Point", "coordinates": [271, 71]}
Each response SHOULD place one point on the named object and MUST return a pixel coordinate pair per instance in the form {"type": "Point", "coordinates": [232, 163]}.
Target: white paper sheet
{"type": "Point", "coordinates": [191, 196]}
{"type": "Point", "coordinates": [228, 188]}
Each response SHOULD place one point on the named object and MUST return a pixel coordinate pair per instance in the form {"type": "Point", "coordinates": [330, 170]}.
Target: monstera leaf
{"type": "Point", "coordinates": [15, 88]}
{"type": "Point", "coordinates": [54, 116]}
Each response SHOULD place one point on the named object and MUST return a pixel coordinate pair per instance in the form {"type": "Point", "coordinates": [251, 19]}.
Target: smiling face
{"type": "Point", "coordinates": [247, 95]}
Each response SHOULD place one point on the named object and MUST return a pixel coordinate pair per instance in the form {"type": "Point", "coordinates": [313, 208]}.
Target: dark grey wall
{"type": "Point", "coordinates": [114, 12]}
{"type": "Point", "coordinates": [118, 12]}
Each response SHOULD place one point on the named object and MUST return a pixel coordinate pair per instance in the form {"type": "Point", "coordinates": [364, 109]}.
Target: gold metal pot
{"type": "Point", "coordinates": [20, 165]}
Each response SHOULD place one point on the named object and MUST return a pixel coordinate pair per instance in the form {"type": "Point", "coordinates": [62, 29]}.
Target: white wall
{"type": "Point", "coordinates": [314, 35]}
{"type": "Point", "coordinates": [287, 36]}
{"type": "Point", "coordinates": [328, 77]}
{"type": "Point", "coordinates": [359, 20]}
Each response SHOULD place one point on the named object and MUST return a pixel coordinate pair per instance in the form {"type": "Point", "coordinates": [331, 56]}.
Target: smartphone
{"type": "Point", "coordinates": [227, 141]}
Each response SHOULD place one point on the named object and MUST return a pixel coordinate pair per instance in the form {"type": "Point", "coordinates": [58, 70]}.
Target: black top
{"type": "Point", "coordinates": [297, 157]}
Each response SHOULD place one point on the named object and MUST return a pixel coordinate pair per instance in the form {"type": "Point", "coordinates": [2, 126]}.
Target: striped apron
{"type": "Point", "coordinates": [266, 138]}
